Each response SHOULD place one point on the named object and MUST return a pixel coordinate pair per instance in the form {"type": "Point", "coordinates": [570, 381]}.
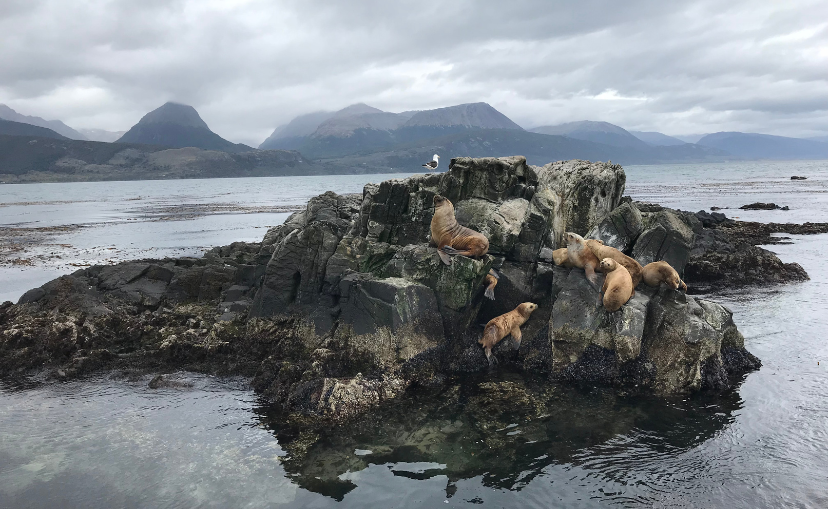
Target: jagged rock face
{"type": "Point", "coordinates": [346, 304]}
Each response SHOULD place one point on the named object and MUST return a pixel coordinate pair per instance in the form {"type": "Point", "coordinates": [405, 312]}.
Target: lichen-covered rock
{"type": "Point", "coordinates": [583, 193]}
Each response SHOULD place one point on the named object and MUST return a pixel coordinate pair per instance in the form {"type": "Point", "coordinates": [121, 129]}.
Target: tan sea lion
{"type": "Point", "coordinates": [561, 257]}
{"type": "Point", "coordinates": [661, 272]}
{"type": "Point", "coordinates": [505, 324]}
{"type": "Point", "coordinates": [618, 287]}
{"type": "Point", "coordinates": [580, 255]}
{"type": "Point", "coordinates": [491, 282]}
{"type": "Point", "coordinates": [601, 251]}
{"type": "Point", "coordinates": [452, 238]}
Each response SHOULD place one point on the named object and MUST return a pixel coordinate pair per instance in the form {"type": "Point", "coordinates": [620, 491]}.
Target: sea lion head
{"type": "Point", "coordinates": [440, 200]}
{"type": "Point", "coordinates": [608, 265]}
{"type": "Point", "coordinates": [526, 308]}
{"type": "Point", "coordinates": [673, 281]}
{"type": "Point", "coordinates": [572, 238]}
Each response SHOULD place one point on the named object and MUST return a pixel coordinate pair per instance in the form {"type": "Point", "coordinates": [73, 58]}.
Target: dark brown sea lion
{"type": "Point", "coordinates": [581, 256]}
{"type": "Point", "coordinates": [601, 251]}
{"type": "Point", "coordinates": [618, 287]}
{"type": "Point", "coordinates": [491, 282]}
{"type": "Point", "coordinates": [662, 272]}
{"type": "Point", "coordinates": [505, 324]}
{"type": "Point", "coordinates": [451, 237]}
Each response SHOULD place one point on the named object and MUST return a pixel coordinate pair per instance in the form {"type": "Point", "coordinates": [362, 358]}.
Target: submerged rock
{"type": "Point", "coordinates": [347, 305]}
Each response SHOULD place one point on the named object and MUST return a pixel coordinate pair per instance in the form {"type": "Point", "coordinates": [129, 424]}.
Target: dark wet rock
{"type": "Point", "coordinates": [346, 305]}
{"type": "Point", "coordinates": [763, 206]}
{"type": "Point", "coordinates": [796, 177]}
{"type": "Point", "coordinates": [710, 220]}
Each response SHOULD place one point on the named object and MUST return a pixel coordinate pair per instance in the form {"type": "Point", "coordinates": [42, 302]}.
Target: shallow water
{"type": "Point", "coordinates": [108, 442]}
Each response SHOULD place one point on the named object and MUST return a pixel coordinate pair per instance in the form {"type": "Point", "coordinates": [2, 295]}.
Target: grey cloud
{"type": "Point", "coordinates": [247, 66]}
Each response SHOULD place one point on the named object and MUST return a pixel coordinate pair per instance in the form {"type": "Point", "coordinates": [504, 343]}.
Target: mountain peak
{"type": "Point", "coordinates": [473, 115]}
{"type": "Point", "coordinates": [6, 113]}
{"type": "Point", "coordinates": [357, 109]}
{"type": "Point", "coordinates": [596, 131]}
{"type": "Point", "coordinates": [174, 113]}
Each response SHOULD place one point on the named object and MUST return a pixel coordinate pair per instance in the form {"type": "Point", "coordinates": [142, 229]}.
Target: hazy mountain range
{"type": "Point", "coordinates": [173, 141]}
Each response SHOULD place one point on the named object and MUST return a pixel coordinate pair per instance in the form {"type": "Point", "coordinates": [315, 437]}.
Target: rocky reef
{"type": "Point", "coordinates": [346, 305]}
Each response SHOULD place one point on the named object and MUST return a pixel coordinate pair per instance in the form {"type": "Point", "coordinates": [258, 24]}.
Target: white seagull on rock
{"type": "Point", "coordinates": [433, 164]}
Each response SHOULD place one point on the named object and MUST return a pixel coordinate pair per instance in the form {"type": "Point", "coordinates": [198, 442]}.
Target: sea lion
{"type": "Point", "coordinates": [601, 251]}
{"type": "Point", "coordinates": [618, 287]}
{"type": "Point", "coordinates": [491, 282]}
{"type": "Point", "coordinates": [451, 237]}
{"type": "Point", "coordinates": [661, 272]}
{"type": "Point", "coordinates": [505, 324]}
{"type": "Point", "coordinates": [580, 255]}
{"type": "Point", "coordinates": [561, 257]}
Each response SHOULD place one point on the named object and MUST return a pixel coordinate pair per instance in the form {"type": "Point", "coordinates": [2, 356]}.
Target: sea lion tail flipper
{"type": "Point", "coordinates": [489, 293]}
{"type": "Point", "coordinates": [450, 250]}
{"type": "Point", "coordinates": [443, 256]}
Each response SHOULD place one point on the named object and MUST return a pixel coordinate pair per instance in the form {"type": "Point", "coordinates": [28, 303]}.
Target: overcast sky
{"type": "Point", "coordinates": [249, 65]}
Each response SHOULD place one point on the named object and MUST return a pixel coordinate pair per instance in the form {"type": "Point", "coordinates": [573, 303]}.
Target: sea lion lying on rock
{"type": "Point", "coordinates": [662, 272]}
{"type": "Point", "coordinates": [618, 285]}
{"type": "Point", "coordinates": [601, 251]}
{"type": "Point", "coordinates": [580, 255]}
{"type": "Point", "coordinates": [501, 326]}
{"type": "Point", "coordinates": [561, 257]}
{"type": "Point", "coordinates": [452, 238]}
{"type": "Point", "coordinates": [491, 282]}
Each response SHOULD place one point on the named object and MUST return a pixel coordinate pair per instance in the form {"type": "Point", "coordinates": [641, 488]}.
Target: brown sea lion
{"type": "Point", "coordinates": [618, 287]}
{"type": "Point", "coordinates": [661, 272]}
{"type": "Point", "coordinates": [601, 251]}
{"type": "Point", "coordinates": [580, 255]}
{"type": "Point", "coordinates": [505, 324]}
{"type": "Point", "coordinates": [452, 238]}
{"type": "Point", "coordinates": [561, 257]}
{"type": "Point", "coordinates": [491, 282]}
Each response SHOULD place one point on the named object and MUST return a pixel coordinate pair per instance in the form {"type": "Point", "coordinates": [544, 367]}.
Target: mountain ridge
{"type": "Point", "coordinates": [6, 113]}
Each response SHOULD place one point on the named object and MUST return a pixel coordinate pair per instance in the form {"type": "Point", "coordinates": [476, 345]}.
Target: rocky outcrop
{"type": "Point", "coordinates": [347, 305]}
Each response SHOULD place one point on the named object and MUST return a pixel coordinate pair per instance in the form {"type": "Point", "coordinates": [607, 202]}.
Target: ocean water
{"type": "Point", "coordinates": [110, 442]}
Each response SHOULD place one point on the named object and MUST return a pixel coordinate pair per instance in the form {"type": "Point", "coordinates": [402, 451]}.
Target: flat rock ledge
{"type": "Point", "coordinates": [346, 305]}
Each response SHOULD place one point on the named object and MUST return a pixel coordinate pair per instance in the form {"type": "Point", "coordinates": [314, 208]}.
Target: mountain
{"type": "Point", "coordinates": [765, 146]}
{"type": "Point", "coordinates": [823, 139]}
{"type": "Point", "coordinates": [294, 132]}
{"type": "Point", "coordinates": [360, 128]}
{"type": "Point", "coordinates": [599, 132]}
{"type": "Point", "coordinates": [102, 135]}
{"type": "Point", "coordinates": [34, 159]}
{"type": "Point", "coordinates": [657, 139]}
{"type": "Point", "coordinates": [689, 138]}
{"type": "Point", "coordinates": [178, 125]}
{"type": "Point", "coordinates": [57, 126]}
{"type": "Point", "coordinates": [10, 128]}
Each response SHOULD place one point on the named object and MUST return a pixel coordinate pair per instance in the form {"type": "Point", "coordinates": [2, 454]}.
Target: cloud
{"type": "Point", "coordinates": [250, 65]}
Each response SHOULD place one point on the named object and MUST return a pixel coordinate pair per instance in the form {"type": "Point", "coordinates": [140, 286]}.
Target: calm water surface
{"type": "Point", "coordinates": [109, 442]}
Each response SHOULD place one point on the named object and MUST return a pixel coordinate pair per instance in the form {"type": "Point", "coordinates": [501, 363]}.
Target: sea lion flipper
{"type": "Point", "coordinates": [450, 250]}
{"type": "Point", "coordinates": [494, 273]}
{"type": "Point", "coordinates": [445, 257]}
{"type": "Point", "coordinates": [489, 293]}
{"type": "Point", "coordinates": [517, 336]}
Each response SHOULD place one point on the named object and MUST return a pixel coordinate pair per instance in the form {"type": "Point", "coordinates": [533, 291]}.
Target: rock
{"type": "Point", "coordinates": [581, 193]}
{"type": "Point", "coordinates": [763, 206]}
{"type": "Point", "coordinates": [710, 220]}
{"type": "Point", "coordinates": [346, 305]}
{"type": "Point", "coordinates": [795, 177]}
{"type": "Point", "coordinates": [620, 228]}
{"type": "Point", "coordinates": [33, 295]}
{"type": "Point", "coordinates": [669, 236]}
{"type": "Point", "coordinates": [588, 343]}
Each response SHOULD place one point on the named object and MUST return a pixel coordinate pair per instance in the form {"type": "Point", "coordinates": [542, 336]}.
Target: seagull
{"type": "Point", "coordinates": [433, 164]}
